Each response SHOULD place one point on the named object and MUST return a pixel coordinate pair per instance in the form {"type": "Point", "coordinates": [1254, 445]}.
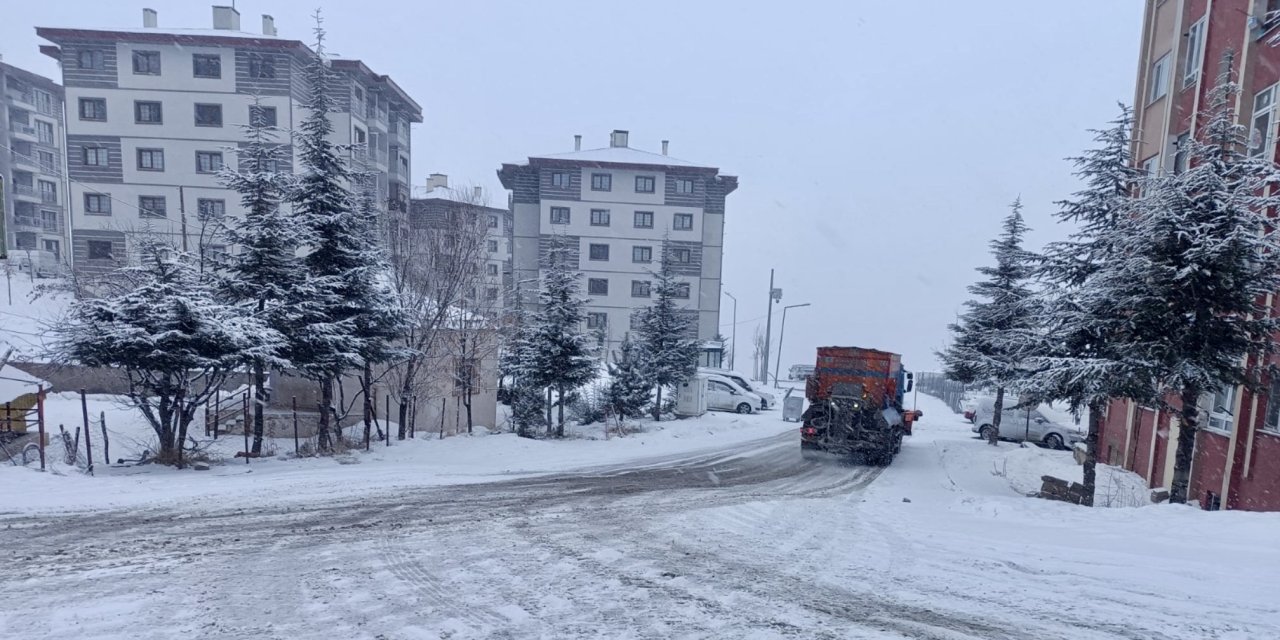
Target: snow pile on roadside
{"type": "Point", "coordinates": [1023, 467]}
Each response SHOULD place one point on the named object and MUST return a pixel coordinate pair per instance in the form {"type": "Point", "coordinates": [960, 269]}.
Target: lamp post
{"type": "Point", "coordinates": [781, 334]}
{"type": "Point", "coordinates": [733, 345]}
{"type": "Point", "coordinates": [774, 295]}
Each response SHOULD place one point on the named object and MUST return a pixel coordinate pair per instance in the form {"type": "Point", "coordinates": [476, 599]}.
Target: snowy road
{"type": "Point", "coordinates": [749, 541]}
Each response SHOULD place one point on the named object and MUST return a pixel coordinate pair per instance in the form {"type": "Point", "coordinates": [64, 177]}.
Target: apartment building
{"type": "Point", "coordinates": [1237, 452]}
{"type": "Point", "coordinates": [440, 208]}
{"type": "Point", "coordinates": [152, 113]}
{"type": "Point", "coordinates": [34, 197]}
{"type": "Point", "coordinates": [613, 207]}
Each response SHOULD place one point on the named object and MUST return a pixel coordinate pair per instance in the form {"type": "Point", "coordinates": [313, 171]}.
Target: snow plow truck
{"type": "Point", "coordinates": [855, 406]}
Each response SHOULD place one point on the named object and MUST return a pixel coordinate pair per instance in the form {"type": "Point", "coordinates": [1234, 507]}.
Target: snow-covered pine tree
{"type": "Point", "coordinates": [516, 365]}
{"type": "Point", "coordinates": [629, 392]}
{"type": "Point", "coordinates": [559, 353]}
{"type": "Point", "coordinates": [992, 337]}
{"type": "Point", "coordinates": [174, 336]}
{"type": "Point", "coordinates": [330, 343]}
{"type": "Point", "coordinates": [1198, 267]}
{"type": "Point", "coordinates": [266, 272]}
{"type": "Point", "coordinates": [1080, 357]}
{"type": "Point", "coordinates": [669, 354]}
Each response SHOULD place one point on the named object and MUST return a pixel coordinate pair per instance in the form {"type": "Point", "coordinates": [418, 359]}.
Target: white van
{"type": "Point", "coordinates": [768, 401]}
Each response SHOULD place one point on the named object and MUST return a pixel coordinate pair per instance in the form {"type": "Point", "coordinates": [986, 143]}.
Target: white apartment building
{"type": "Point", "coordinates": [34, 197]}
{"type": "Point", "coordinates": [152, 113]}
{"type": "Point", "coordinates": [440, 205]}
{"type": "Point", "coordinates": [613, 207]}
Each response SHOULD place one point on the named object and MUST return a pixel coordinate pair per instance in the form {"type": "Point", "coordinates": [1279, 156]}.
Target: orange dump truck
{"type": "Point", "coordinates": [855, 405]}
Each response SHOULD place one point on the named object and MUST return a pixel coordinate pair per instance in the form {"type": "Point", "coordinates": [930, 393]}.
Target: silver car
{"type": "Point", "coordinates": [1017, 425]}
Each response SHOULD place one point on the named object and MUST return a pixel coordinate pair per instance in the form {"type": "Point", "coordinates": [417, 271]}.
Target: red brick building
{"type": "Point", "coordinates": [1237, 454]}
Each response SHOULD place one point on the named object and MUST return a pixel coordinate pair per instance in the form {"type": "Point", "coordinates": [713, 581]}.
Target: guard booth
{"type": "Point", "coordinates": [691, 397]}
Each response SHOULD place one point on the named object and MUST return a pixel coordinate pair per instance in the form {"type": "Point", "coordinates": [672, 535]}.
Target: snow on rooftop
{"type": "Point", "coordinates": [620, 155]}
{"type": "Point", "coordinates": [199, 33]}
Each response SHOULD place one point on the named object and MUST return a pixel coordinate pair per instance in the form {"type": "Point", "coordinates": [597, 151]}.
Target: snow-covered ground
{"type": "Point", "coordinates": [29, 308]}
{"type": "Point", "coordinates": [743, 540]}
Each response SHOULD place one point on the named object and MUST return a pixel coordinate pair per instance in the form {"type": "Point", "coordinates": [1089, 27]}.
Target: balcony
{"type": "Point", "coordinates": [25, 96]}
{"type": "Point", "coordinates": [24, 160]}
{"type": "Point", "coordinates": [26, 190]}
{"type": "Point", "coordinates": [23, 130]}
{"type": "Point", "coordinates": [29, 223]}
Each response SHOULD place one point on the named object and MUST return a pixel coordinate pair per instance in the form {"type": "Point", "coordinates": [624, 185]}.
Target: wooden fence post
{"type": "Point", "coordinates": [245, 426]}
{"type": "Point", "coordinates": [40, 421]}
{"type": "Point", "coordinates": [296, 449]}
{"type": "Point", "coordinates": [88, 445]}
{"type": "Point", "coordinates": [106, 443]}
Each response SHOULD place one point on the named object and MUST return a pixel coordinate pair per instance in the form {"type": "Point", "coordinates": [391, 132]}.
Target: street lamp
{"type": "Point", "coordinates": [781, 334]}
{"type": "Point", "coordinates": [733, 346]}
{"type": "Point", "coordinates": [774, 295]}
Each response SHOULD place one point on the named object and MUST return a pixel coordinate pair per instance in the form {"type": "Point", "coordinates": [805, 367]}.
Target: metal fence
{"type": "Point", "coordinates": [938, 386]}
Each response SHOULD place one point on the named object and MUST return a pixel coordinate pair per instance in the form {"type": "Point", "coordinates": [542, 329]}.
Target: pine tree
{"type": "Point", "coordinates": [992, 337]}
{"type": "Point", "coordinates": [1196, 271]}
{"type": "Point", "coordinates": [559, 353]}
{"type": "Point", "coordinates": [517, 364]}
{"type": "Point", "coordinates": [670, 355]}
{"type": "Point", "coordinates": [172, 334]}
{"type": "Point", "coordinates": [266, 271]}
{"type": "Point", "coordinates": [629, 392]}
{"type": "Point", "coordinates": [1080, 357]}
{"type": "Point", "coordinates": [330, 344]}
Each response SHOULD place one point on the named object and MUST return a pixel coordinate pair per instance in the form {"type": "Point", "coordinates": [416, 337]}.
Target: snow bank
{"type": "Point", "coordinates": [1023, 468]}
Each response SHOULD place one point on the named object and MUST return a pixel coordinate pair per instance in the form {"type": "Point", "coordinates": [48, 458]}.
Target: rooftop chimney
{"type": "Point", "coordinates": [226, 18]}
{"type": "Point", "coordinates": [618, 138]}
{"type": "Point", "coordinates": [268, 25]}
{"type": "Point", "coordinates": [149, 18]}
{"type": "Point", "coordinates": [664, 147]}
{"type": "Point", "coordinates": [437, 180]}
{"type": "Point", "coordinates": [577, 143]}
{"type": "Point", "coordinates": [479, 191]}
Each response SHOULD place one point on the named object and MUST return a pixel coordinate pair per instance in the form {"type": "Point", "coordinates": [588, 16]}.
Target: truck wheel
{"type": "Point", "coordinates": [744, 407]}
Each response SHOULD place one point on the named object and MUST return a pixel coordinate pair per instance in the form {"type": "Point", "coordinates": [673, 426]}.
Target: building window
{"type": "Point", "coordinates": [211, 209]}
{"type": "Point", "coordinates": [151, 159]}
{"type": "Point", "coordinates": [359, 95]}
{"type": "Point", "coordinates": [48, 192]}
{"type": "Point", "coordinates": [599, 217]}
{"type": "Point", "coordinates": [96, 156]}
{"type": "Point", "coordinates": [1263, 130]}
{"type": "Point", "coordinates": [262, 116]}
{"type": "Point", "coordinates": [680, 255]}
{"type": "Point", "coordinates": [99, 249]}
{"type": "Point", "coordinates": [493, 222]}
{"type": "Point", "coordinates": [1159, 86]}
{"type": "Point", "coordinates": [642, 254]}
{"type": "Point", "coordinates": [208, 115]}
{"type": "Point", "coordinates": [1220, 412]}
{"type": "Point", "coordinates": [639, 288]}
{"type": "Point", "coordinates": [261, 67]}
{"type": "Point", "coordinates": [1181, 151]}
{"type": "Point", "coordinates": [360, 136]}
{"type": "Point", "coordinates": [1195, 54]}
{"type": "Point", "coordinates": [559, 215]}
{"type": "Point", "coordinates": [1272, 420]}
{"type": "Point", "coordinates": [599, 252]}
{"type": "Point", "coordinates": [682, 222]}
{"type": "Point", "coordinates": [597, 320]}
{"type": "Point", "coordinates": [93, 109]}
{"type": "Point", "coordinates": [44, 132]}
{"type": "Point", "coordinates": [491, 294]}
{"type": "Point", "coordinates": [598, 286]}
{"type": "Point", "coordinates": [492, 269]}
{"type": "Point", "coordinates": [684, 185]}
{"type": "Point", "coordinates": [601, 182]}
{"type": "Point", "coordinates": [146, 63]}
{"type": "Point", "coordinates": [206, 65]}
{"type": "Point", "coordinates": [493, 246]}
{"type": "Point", "coordinates": [208, 161]}
{"type": "Point", "coordinates": [89, 59]}
{"type": "Point", "coordinates": [151, 206]}
{"type": "Point", "coordinates": [644, 220]}
{"type": "Point", "coordinates": [147, 113]}
{"type": "Point", "coordinates": [682, 291]}
{"type": "Point", "coordinates": [98, 204]}
{"type": "Point", "coordinates": [644, 184]}
{"type": "Point", "coordinates": [560, 179]}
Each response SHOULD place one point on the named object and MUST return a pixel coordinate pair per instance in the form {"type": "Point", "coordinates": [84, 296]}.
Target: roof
{"type": "Point", "coordinates": [619, 156]}
{"type": "Point", "coordinates": [381, 79]}
{"type": "Point", "coordinates": [182, 36]}
{"type": "Point", "coordinates": [449, 194]}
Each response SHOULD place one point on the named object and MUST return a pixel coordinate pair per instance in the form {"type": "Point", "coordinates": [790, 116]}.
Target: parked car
{"type": "Point", "coordinates": [1017, 425]}
{"type": "Point", "coordinates": [723, 394]}
{"type": "Point", "coordinates": [769, 400]}
{"type": "Point", "coordinates": [800, 371]}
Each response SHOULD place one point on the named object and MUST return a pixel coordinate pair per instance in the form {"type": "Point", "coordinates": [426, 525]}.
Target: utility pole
{"type": "Point", "coordinates": [182, 213]}
{"type": "Point", "coordinates": [732, 347]}
{"type": "Point", "coordinates": [774, 294]}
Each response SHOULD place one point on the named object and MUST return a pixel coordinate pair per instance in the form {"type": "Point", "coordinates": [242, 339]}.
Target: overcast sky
{"type": "Point", "coordinates": [877, 143]}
